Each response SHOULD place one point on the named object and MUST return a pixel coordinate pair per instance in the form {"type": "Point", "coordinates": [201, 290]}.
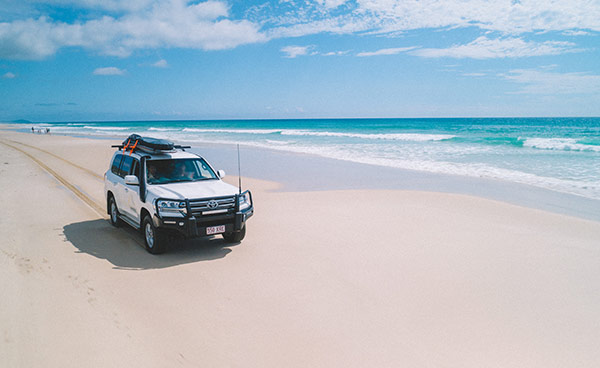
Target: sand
{"type": "Point", "coordinates": [344, 278]}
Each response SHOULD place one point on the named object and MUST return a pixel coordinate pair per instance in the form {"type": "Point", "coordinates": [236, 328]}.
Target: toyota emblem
{"type": "Point", "coordinates": [212, 204]}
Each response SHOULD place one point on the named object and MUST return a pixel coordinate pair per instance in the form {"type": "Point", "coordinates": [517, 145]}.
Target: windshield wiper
{"type": "Point", "coordinates": [201, 179]}
{"type": "Point", "coordinates": [181, 180]}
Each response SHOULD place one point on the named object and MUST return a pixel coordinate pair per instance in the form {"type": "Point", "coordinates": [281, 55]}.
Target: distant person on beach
{"type": "Point", "coordinates": [32, 130]}
{"type": "Point", "coordinates": [47, 130]}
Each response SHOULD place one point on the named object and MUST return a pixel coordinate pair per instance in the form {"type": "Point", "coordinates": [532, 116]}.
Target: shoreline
{"type": "Point", "coordinates": [529, 156]}
{"type": "Point", "coordinates": [310, 172]}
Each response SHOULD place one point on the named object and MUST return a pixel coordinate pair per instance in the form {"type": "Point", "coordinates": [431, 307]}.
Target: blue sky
{"type": "Point", "coordinates": [67, 60]}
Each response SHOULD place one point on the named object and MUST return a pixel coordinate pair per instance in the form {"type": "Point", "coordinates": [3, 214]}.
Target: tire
{"type": "Point", "coordinates": [235, 237]}
{"type": "Point", "coordinates": [113, 212]}
{"type": "Point", "coordinates": [154, 238]}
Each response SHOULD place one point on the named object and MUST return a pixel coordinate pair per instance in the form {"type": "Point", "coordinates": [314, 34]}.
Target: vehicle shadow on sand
{"type": "Point", "coordinates": [124, 247]}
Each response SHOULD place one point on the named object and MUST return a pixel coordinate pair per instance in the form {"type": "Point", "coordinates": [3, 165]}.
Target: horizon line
{"type": "Point", "coordinates": [23, 121]}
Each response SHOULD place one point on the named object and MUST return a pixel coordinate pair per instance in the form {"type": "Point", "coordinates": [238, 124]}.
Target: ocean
{"type": "Point", "coordinates": [560, 154]}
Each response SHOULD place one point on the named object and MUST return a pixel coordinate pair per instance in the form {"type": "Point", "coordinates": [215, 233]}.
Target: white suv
{"type": "Point", "coordinates": [158, 187]}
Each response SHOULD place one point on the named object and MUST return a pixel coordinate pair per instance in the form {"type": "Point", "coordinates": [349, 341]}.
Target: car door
{"type": "Point", "coordinates": [132, 193]}
{"type": "Point", "coordinates": [124, 200]}
{"type": "Point", "coordinates": [115, 180]}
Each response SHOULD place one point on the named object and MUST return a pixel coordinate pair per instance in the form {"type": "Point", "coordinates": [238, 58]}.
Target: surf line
{"type": "Point", "coordinates": [99, 177]}
{"type": "Point", "coordinates": [87, 200]}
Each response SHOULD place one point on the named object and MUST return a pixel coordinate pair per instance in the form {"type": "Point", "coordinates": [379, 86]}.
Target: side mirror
{"type": "Point", "coordinates": [132, 180]}
{"type": "Point", "coordinates": [221, 174]}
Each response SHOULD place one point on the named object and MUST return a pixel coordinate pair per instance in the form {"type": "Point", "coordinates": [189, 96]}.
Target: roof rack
{"type": "Point", "coordinates": [136, 142]}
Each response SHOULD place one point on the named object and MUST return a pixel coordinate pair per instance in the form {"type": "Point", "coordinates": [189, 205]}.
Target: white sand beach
{"type": "Point", "coordinates": [324, 278]}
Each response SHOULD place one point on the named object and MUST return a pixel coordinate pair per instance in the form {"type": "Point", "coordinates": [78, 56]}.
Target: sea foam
{"type": "Point", "coordinates": [415, 137]}
{"type": "Point", "coordinates": [234, 131]}
{"type": "Point", "coordinates": [589, 189]}
{"type": "Point", "coordinates": [153, 129]}
{"type": "Point", "coordinates": [108, 128]}
{"type": "Point", "coordinates": [562, 144]}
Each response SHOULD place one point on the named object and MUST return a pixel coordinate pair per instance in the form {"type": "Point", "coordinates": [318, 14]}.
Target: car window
{"type": "Point", "coordinates": [178, 170]}
{"type": "Point", "coordinates": [116, 164]}
{"type": "Point", "coordinates": [135, 168]}
{"type": "Point", "coordinates": [125, 166]}
{"type": "Point", "coordinates": [204, 169]}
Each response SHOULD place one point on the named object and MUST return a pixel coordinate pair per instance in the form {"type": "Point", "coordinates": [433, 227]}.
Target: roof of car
{"type": "Point", "coordinates": [165, 155]}
{"type": "Point", "coordinates": [162, 155]}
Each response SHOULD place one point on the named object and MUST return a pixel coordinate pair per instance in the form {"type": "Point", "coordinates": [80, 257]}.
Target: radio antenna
{"type": "Point", "coordinates": [239, 170]}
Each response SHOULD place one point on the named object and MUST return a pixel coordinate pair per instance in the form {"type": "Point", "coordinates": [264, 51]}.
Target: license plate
{"type": "Point", "coordinates": [215, 230]}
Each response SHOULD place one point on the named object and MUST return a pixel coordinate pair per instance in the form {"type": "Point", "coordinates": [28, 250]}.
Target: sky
{"type": "Point", "coordinates": [96, 60]}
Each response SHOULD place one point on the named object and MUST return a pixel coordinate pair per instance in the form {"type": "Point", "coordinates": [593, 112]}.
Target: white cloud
{"type": "Point", "coordinates": [173, 23]}
{"type": "Point", "coordinates": [336, 25]}
{"type": "Point", "coordinates": [9, 75]}
{"type": "Point", "coordinates": [125, 26]}
{"type": "Point", "coordinates": [542, 82]}
{"type": "Point", "coordinates": [111, 70]}
{"type": "Point", "coordinates": [474, 74]}
{"type": "Point", "coordinates": [571, 32]}
{"type": "Point", "coordinates": [392, 51]}
{"type": "Point", "coordinates": [112, 5]}
{"type": "Point", "coordinates": [162, 63]}
{"type": "Point", "coordinates": [210, 9]}
{"type": "Point", "coordinates": [397, 16]}
{"type": "Point", "coordinates": [294, 51]}
{"type": "Point", "coordinates": [485, 48]}
{"type": "Point", "coordinates": [501, 15]}
{"type": "Point", "coordinates": [336, 53]}
{"type": "Point", "coordinates": [29, 39]}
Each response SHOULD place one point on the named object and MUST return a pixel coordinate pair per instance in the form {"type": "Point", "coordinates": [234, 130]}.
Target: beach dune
{"type": "Point", "coordinates": [341, 278]}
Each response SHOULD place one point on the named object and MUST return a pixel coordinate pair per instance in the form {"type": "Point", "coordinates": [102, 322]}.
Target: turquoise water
{"type": "Point", "coordinates": [561, 154]}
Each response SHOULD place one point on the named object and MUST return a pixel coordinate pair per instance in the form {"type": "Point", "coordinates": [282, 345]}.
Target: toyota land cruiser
{"type": "Point", "coordinates": [158, 187]}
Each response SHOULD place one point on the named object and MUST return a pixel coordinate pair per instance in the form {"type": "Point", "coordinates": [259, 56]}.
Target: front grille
{"type": "Point", "coordinates": [200, 207]}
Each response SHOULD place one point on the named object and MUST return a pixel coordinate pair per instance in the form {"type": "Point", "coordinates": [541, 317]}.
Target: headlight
{"type": "Point", "coordinates": [244, 201]}
{"type": "Point", "coordinates": [171, 208]}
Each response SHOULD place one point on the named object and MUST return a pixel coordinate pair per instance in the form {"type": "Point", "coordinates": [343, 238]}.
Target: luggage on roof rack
{"type": "Point", "coordinates": [151, 145]}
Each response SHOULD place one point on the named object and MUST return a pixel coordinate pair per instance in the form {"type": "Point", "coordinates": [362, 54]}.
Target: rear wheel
{"type": "Point", "coordinates": [113, 212]}
{"type": "Point", "coordinates": [154, 238]}
{"type": "Point", "coordinates": [235, 237]}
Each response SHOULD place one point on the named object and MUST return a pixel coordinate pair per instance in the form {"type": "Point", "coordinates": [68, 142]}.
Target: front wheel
{"type": "Point", "coordinates": [154, 238]}
{"type": "Point", "coordinates": [235, 237]}
{"type": "Point", "coordinates": [113, 212]}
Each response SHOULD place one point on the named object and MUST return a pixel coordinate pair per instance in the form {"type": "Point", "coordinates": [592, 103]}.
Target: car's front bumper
{"type": "Point", "coordinates": [195, 226]}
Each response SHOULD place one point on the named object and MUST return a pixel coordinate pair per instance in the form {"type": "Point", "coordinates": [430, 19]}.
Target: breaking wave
{"type": "Point", "coordinates": [163, 129]}
{"type": "Point", "coordinates": [562, 144]}
{"type": "Point", "coordinates": [589, 189]}
{"type": "Point", "coordinates": [415, 137]}
{"type": "Point", "coordinates": [235, 131]}
{"type": "Point", "coordinates": [105, 128]}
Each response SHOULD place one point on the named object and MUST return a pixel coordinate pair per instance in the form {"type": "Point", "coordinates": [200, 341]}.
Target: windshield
{"type": "Point", "coordinates": [178, 170]}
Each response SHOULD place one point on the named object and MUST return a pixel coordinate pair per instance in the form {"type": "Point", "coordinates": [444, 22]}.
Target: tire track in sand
{"type": "Point", "coordinates": [79, 194]}
{"type": "Point", "coordinates": [95, 175]}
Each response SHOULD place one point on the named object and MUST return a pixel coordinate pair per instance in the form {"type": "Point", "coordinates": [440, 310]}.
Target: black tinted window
{"type": "Point", "coordinates": [178, 170]}
{"type": "Point", "coordinates": [125, 166]}
{"type": "Point", "coordinates": [115, 165]}
{"type": "Point", "coordinates": [135, 169]}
